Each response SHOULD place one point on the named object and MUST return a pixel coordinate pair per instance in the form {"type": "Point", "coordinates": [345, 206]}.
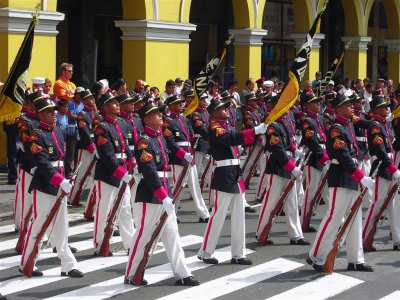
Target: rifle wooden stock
{"type": "Point", "coordinates": [21, 239]}
{"type": "Point", "coordinates": [369, 239]}
{"type": "Point", "coordinates": [30, 262]}
{"type": "Point", "coordinates": [307, 217]}
{"type": "Point", "coordinates": [253, 167]}
{"type": "Point", "coordinates": [75, 201]}
{"type": "Point", "coordinates": [203, 176]}
{"type": "Point", "coordinates": [139, 274]}
{"type": "Point", "coordinates": [88, 215]}
{"type": "Point", "coordinates": [262, 239]}
{"type": "Point", "coordinates": [330, 260]}
{"type": "Point", "coordinates": [111, 218]}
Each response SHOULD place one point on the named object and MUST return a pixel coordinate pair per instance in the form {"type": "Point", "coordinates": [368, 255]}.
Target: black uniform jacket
{"type": "Point", "coordinates": [380, 146]}
{"type": "Point", "coordinates": [152, 159]}
{"type": "Point", "coordinates": [26, 123]}
{"type": "Point", "coordinates": [46, 147]}
{"type": "Point", "coordinates": [177, 132]}
{"type": "Point", "coordinates": [341, 147]}
{"type": "Point", "coordinates": [111, 141]}
{"type": "Point", "coordinates": [88, 119]}
{"type": "Point", "coordinates": [361, 125]}
{"type": "Point", "coordinates": [200, 122]}
{"type": "Point", "coordinates": [223, 141]}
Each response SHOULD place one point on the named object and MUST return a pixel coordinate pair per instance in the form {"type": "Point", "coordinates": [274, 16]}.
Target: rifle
{"type": "Point", "coordinates": [368, 240]}
{"type": "Point", "coordinates": [88, 214]}
{"type": "Point", "coordinates": [112, 217]}
{"type": "Point", "coordinates": [30, 262]}
{"type": "Point", "coordinates": [75, 201]}
{"type": "Point", "coordinates": [253, 167]}
{"type": "Point", "coordinates": [307, 216]}
{"type": "Point", "coordinates": [203, 176]}
{"type": "Point", "coordinates": [262, 239]}
{"type": "Point", "coordinates": [139, 274]}
{"type": "Point", "coordinates": [20, 243]}
{"type": "Point", "coordinates": [330, 259]}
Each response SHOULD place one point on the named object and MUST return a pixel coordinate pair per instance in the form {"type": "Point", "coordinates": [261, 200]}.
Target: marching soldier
{"type": "Point", "coordinates": [329, 114]}
{"type": "Point", "coordinates": [344, 178]}
{"type": "Point", "coordinates": [314, 139]}
{"type": "Point", "coordinates": [47, 150]}
{"type": "Point", "coordinates": [112, 168]}
{"type": "Point", "coordinates": [152, 199]}
{"type": "Point", "coordinates": [87, 121]}
{"type": "Point", "coordinates": [227, 183]}
{"type": "Point", "coordinates": [380, 148]}
{"type": "Point", "coordinates": [280, 167]}
{"type": "Point", "coordinates": [178, 135]}
{"type": "Point", "coordinates": [26, 123]}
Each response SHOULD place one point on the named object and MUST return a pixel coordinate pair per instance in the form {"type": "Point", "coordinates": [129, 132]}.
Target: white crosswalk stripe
{"type": "Point", "coordinates": [236, 281]}
{"type": "Point", "coordinates": [393, 296]}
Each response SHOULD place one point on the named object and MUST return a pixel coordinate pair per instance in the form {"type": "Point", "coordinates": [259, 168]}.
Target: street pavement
{"type": "Point", "coordinates": [279, 271]}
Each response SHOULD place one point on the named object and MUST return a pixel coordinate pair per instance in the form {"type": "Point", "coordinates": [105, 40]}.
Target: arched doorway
{"type": "Point", "coordinates": [89, 39]}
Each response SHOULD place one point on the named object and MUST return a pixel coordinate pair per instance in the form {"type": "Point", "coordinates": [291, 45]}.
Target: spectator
{"type": "Point", "coordinates": [178, 86]}
{"type": "Point", "coordinates": [119, 87]}
{"type": "Point", "coordinates": [139, 88]}
{"type": "Point", "coordinates": [232, 89]}
{"type": "Point", "coordinates": [317, 81]}
{"type": "Point", "coordinates": [169, 90]}
{"type": "Point", "coordinates": [38, 83]}
{"type": "Point", "coordinates": [146, 88]}
{"type": "Point", "coordinates": [64, 88]}
{"type": "Point", "coordinates": [62, 113]}
{"type": "Point", "coordinates": [248, 89]}
{"type": "Point", "coordinates": [369, 88]}
{"type": "Point", "coordinates": [74, 108]}
{"type": "Point", "coordinates": [155, 92]}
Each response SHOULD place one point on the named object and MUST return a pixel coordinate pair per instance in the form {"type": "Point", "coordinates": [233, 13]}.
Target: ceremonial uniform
{"type": "Point", "coordinates": [178, 135]}
{"type": "Point", "coordinates": [280, 144]}
{"type": "Point", "coordinates": [343, 189]}
{"type": "Point", "coordinates": [314, 139]}
{"type": "Point", "coordinates": [380, 149]}
{"type": "Point", "coordinates": [26, 123]}
{"type": "Point", "coordinates": [47, 150]}
{"type": "Point", "coordinates": [152, 158]}
{"type": "Point", "coordinates": [199, 121]}
{"type": "Point", "coordinates": [229, 187]}
{"type": "Point", "coordinates": [115, 158]}
{"type": "Point", "coordinates": [87, 121]}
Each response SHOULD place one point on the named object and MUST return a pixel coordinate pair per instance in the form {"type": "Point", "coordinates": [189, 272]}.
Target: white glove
{"type": "Point", "coordinates": [368, 182]}
{"type": "Point", "coordinates": [188, 157]}
{"type": "Point", "coordinates": [168, 206]}
{"type": "Point", "coordinates": [96, 153]}
{"type": "Point", "coordinates": [327, 164]}
{"type": "Point", "coordinates": [20, 146]}
{"type": "Point", "coordinates": [298, 153]}
{"type": "Point", "coordinates": [389, 118]}
{"type": "Point", "coordinates": [127, 177]}
{"type": "Point", "coordinates": [66, 185]}
{"type": "Point", "coordinates": [261, 128]}
{"type": "Point", "coordinates": [297, 172]}
{"type": "Point", "coordinates": [33, 170]}
{"type": "Point", "coordinates": [396, 176]}
{"type": "Point", "coordinates": [137, 177]}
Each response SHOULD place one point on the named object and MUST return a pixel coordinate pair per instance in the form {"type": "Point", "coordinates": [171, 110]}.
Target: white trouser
{"type": "Point", "coordinates": [58, 229]}
{"type": "Point", "coordinates": [313, 178]}
{"type": "Point", "coordinates": [214, 225]}
{"type": "Point", "coordinates": [246, 175]}
{"type": "Point", "coordinates": [105, 198]}
{"type": "Point", "coordinates": [194, 189]}
{"type": "Point", "coordinates": [365, 166]}
{"type": "Point", "coordinates": [340, 201]}
{"type": "Point", "coordinates": [200, 160]}
{"type": "Point", "coordinates": [84, 158]}
{"type": "Point", "coordinates": [146, 216]}
{"type": "Point", "coordinates": [382, 187]}
{"type": "Point", "coordinates": [23, 199]}
{"type": "Point", "coordinates": [275, 187]}
{"type": "Point", "coordinates": [263, 175]}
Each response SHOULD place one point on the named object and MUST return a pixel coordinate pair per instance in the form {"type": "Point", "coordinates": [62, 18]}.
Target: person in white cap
{"type": "Point", "coordinates": [268, 87]}
{"type": "Point", "coordinates": [38, 83]}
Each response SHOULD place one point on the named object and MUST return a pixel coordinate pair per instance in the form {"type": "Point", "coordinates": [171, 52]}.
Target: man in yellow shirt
{"type": "Point", "coordinates": [63, 87]}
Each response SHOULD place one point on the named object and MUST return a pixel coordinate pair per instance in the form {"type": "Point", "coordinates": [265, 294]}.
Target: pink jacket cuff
{"type": "Point", "coordinates": [289, 166]}
{"type": "Point", "coordinates": [249, 136]}
{"type": "Point", "coordinates": [324, 159]}
{"type": "Point", "coordinates": [56, 179]}
{"type": "Point", "coordinates": [91, 148]}
{"type": "Point", "coordinates": [391, 169]}
{"type": "Point", "coordinates": [120, 172]}
{"type": "Point", "coordinates": [161, 193]}
{"type": "Point", "coordinates": [358, 175]}
{"type": "Point", "coordinates": [180, 154]}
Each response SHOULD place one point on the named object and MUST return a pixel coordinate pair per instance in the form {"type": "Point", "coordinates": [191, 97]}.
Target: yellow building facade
{"type": "Point", "coordinates": [156, 36]}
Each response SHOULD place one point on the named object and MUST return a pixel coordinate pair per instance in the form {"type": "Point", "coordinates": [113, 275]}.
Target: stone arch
{"type": "Point", "coordinates": [392, 9]}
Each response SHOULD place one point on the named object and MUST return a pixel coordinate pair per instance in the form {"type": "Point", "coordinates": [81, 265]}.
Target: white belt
{"type": "Point", "coordinates": [228, 162]}
{"type": "Point", "coordinates": [373, 157]}
{"type": "Point", "coordinates": [120, 155]}
{"type": "Point", "coordinates": [92, 135]}
{"type": "Point", "coordinates": [58, 163]}
{"type": "Point", "coordinates": [162, 174]}
{"type": "Point", "coordinates": [183, 144]}
{"type": "Point", "coordinates": [336, 162]}
{"type": "Point", "coordinates": [361, 138]}
{"type": "Point", "coordinates": [323, 146]}
{"type": "Point", "coordinates": [131, 147]}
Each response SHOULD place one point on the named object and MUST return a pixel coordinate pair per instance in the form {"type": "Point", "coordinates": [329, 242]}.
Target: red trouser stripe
{"type": "Point", "coordinates": [326, 224]}
{"type": "Point", "coordinates": [210, 222]}
{"type": "Point", "coordinates": [372, 207]}
{"type": "Point", "coordinates": [97, 214]}
{"type": "Point", "coordinates": [30, 227]}
{"type": "Point", "coordinates": [306, 196]}
{"type": "Point", "coordinates": [265, 200]}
